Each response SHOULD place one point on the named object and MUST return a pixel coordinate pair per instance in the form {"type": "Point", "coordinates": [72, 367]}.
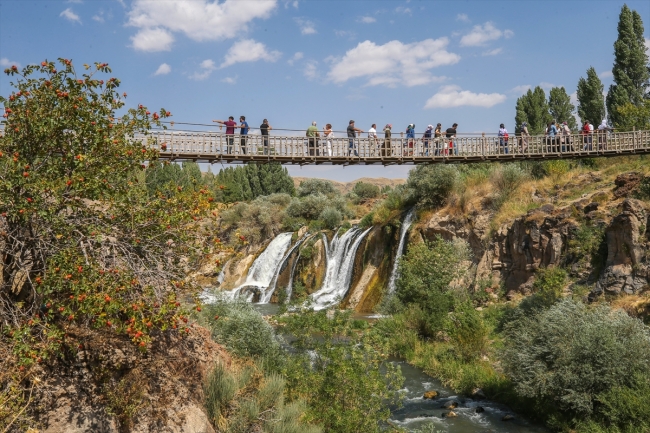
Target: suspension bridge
{"type": "Point", "coordinates": [216, 147]}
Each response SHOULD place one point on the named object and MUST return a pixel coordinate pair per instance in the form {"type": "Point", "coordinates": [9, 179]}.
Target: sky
{"type": "Point", "coordinates": [298, 61]}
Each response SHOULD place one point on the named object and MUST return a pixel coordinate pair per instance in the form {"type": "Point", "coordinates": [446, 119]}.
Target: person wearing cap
{"type": "Point", "coordinates": [352, 134]}
{"type": "Point", "coordinates": [387, 142]}
{"type": "Point", "coordinates": [312, 134]}
{"type": "Point", "coordinates": [525, 136]}
{"type": "Point", "coordinates": [426, 138]}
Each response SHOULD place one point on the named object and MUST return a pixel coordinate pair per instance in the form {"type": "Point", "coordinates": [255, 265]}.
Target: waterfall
{"type": "Point", "coordinates": [269, 292]}
{"type": "Point", "coordinates": [340, 254]}
{"type": "Point", "coordinates": [406, 224]}
{"type": "Point", "coordinates": [264, 268]}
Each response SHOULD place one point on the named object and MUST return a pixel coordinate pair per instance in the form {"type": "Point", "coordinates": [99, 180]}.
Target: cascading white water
{"type": "Point", "coordinates": [406, 224]}
{"type": "Point", "coordinates": [340, 254]}
{"type": "Point", "coordinates": [269, 292]}
{"type": "Point", "coordinates": [264, 268]}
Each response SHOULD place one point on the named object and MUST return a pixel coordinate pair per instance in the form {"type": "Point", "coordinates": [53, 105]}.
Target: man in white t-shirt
{"type": "Point", "coordinates": [372, 136]}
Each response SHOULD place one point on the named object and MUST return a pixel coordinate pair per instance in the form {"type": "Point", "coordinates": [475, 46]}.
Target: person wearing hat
{"type": "Point", "coordinates": [525, 135]}
{"type": "Point", "coordinates": [352, 134]}
{"type": "Point", "coordinates": [426, 138]}
{"type": "Point", "coordinates": [387, 144]}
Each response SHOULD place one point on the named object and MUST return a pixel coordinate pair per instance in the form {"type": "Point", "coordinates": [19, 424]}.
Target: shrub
{"type": "Point", "coordinates": [468, 333]}
{"type": "Point", "coordinates": [365, 191]}
{"type": "Point", "coordinates": [430, 185]}
{"type": "Point", "coordinates": [556, 168]}
{"type": "Point", "coordinates": [506, 180]}
{"type": "Point", "coordinates": [367, 220]}
{"type": "Point", "coordinates": [643, 191]}
{"type": "Point", "coordinates": [316, 186]}
{"type": "Point", "coordinates": [331, 218]}
{"type": "Point", "coordinates": [576, 358]}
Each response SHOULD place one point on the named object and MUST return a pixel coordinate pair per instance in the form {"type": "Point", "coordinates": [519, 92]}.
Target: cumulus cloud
{"type": "Point", "coordinates": [306, 27]}
{"type": "Point", "coordinates": [163, 69]}
{"type": "Point", "coordinates": [493, 52]}
{"type": "Point", "coordinates": [295, 58]}
{"type": "Point", "coordinates": [462, 17]}
{"type": "Point", "coordinates": [393, 63]}
{"type": "Point", "coordinates": [403, 10]}
{"type": "Point", "coordinates": [230, 80]}
{"type": "Point", "coordinates": [205, 70]}
{"type": "Point", "coordinates": [6, 63]}
{"type": "Point", "coordinates": [311, 70]}
{"type": "Point", "coordinates": [367, 20]}
{"type": "Point", "coordinates": [482, 34]}
{"type": "Point", "coordinates": [69, 15]}
{"type": "Point", "coordinates": [157, 39]}
{"type": "Point", "coordinates": [520, 90]}
{"type": "Point", "coordinates": [200, 20]}
{"type": "Point", "coordinates": [248, 50]}
{"type": "Point", "coordinates": [606, 74]}
{"type": "Point", "coordinates": [99, 18]}
{"type": "Point", "coordinates": [546, 86]}
{"type": "Point", "coordinates": [454, 96]}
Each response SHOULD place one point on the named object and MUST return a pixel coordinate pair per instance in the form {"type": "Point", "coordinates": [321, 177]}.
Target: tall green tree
{"type": "Point", "coordinates": [630, 69]}
{"type": "Point", "coordinates": [591, 103]}
{"type": "Point", "coordinates": [561, 108]}
{"type": "Point", "coordinates": [533, 109]}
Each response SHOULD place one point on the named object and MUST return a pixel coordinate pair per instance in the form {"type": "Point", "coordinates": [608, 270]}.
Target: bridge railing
{"type": "Point", "coordinates": [219, 146]}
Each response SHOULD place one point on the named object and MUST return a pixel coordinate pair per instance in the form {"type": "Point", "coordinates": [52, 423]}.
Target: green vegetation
{"type": "Point", "coordinates": [363, 192]}
{"type": "Point", "coordinates": [561, 108]}
{"type": "Point", "coordinates": [533, 109]}
{"type": "Point", "coordinates": [430, 185]}
{"type": "Point", "coordinates": [591, 102]}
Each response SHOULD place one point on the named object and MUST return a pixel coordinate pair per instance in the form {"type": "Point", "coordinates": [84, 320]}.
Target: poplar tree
{"type": "Point", "coordinates": [630, 65]}
{"type": "Point", "coordinates": [533, 108]}
{"type": "Point", "coordinates": [561, 108]}
{"type": "Point", "coordinates": [591, 102]}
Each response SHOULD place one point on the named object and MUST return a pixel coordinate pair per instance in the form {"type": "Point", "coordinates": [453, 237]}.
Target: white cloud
{"type": "Point", "coordinates": [606, 74]}
{"type": "Point", "coordinates": [199, 20]}
{"type": "Point", "coordinates": [157, 39]}
{"type": "Point", "coordinates": [454, 96]}
{"type": "Point", "coordinates": [493, 52]}
{"type": "Point", "coordinates": [291, 3]}
{"type": "Point", "coordinates": [248, 50]}
{"type": "Point", "coordinates": [122, 3]}
{"type": "Point", "coordinates": [163, 69]}
{"type": "Point", "coordinates": [98, 18]}
{"type": "Point", "coordinates": [520, 90]}
{"type": "Point", "coordinates": [480, 35]}
{"type": "Point", "coordinates": [367, 20]}
{"type": "Point", "coordinates": [6, 63]}
{"type": "Point", "coordinates": [69, 15]}
{"type": "Point", "coordinates": [205, 70]}
{"type": "Point", "coordinates": [306, 27]}
{"type": "Point", "coordinates": [647, 45]}
{"type": "Point", "coordinates": [462, 17]}
{"type": "Point", "coordinates": [295, 58]}
{"type": "Point", "coordinates": [345, 33]}
{"type": "Point", "coordinates": [546, 86]}
{"type": "Point", "coordinates": [393, 63]}
{"type": "Point", "coordinates": [75, 1]}
{"type": "Point", "coordinates": [230, 80]}
{"type": "Point", "coordinates": [311, 70]}
{"type": "Point", "coordinates": [403, 10]}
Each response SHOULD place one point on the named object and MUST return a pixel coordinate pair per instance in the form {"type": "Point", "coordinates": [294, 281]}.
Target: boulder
{"type": "Point", "coordinates": [430, 395]}
{"type": "Point", "coordinates": [508, 417]}
{"type": "Point", "coordinates": [479, 409]}
{"type": "Point", "coordinates": [626, 183]}
{"type": "Point", "coordinates": [451, 404]}
{"type": "Point", "coordinates": [450, 414]}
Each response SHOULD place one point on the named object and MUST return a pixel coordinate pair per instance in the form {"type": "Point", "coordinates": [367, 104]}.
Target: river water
{"type": "Point", "coordinates": [416, 413]}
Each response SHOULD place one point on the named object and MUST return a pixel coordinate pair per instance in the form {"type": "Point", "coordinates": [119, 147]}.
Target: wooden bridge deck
{"type": "Point", "coordinates": [218, 147]}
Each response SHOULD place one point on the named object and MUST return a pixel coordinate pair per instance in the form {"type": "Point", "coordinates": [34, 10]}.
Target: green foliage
{"type": "Point", "coordinates": [331, 217]}
{"type": "Point", "coordinates": [591, 102]}
{"type": "Point", "coordinates": [263, 218]}
{"type": "Point", "coordinates": [643, 191]}
{"type": "Point", "coordinates": [506, 179]}
{"type": "Point", "coordinates": [248, 182]}
{"type": "Point", "coordinates": [630, 69]}
{"type": "Point", "coordinates": [430, 185]}
{"type": "Point", "coordinates": [634, 116]}
{"type": "Point", "coordinates": [71, 190]}
{"type": "Point", "coordinates": [425, 274]}
{"type": "Point", "coordinates": [165, 178]}
{"type": "Point", "coordinates": [574, 358]}
{"type": "Point", "coordinates": [365, 191]}
{"type": "Point", "coordinates": [588, 245]}
{"type": "Point", "coordinates": [316, 186]}
{"type": "Point", "coordinates": [555, 169]}
{"type": "Point", "coordinates": [311, 206]}
{"type": "Point", "coordinates": [533, 109]}
{"type": "Point", "coordinates": [561, 108]}
{"type": "Point", "coordinates": [548, 285]}
{"type": "Point", "coordinates": [345, 378]}
{"type": "Point", "coordinates": [468, 333]}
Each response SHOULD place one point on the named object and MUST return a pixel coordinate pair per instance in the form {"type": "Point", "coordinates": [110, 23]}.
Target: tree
{"type": "Point", "coordinates": [561, 108]}
{"type": "Point", "coordinates": [633, 116]}
{"type": "Point", "coordinates": [630, 69]}
{"type": "Point", "coordinates": [81, 240]}
{"type": "Point", "coordinates": [591, 103]}
{"type": "Point", "coordinates": [533, 109]}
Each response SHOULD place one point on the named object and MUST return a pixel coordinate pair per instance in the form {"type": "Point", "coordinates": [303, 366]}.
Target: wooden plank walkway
{"type": "Point", "coordinates": [218, 147]}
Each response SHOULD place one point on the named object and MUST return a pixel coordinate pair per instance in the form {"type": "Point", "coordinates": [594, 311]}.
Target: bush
{"type": "Point", "coordinates": [263, 218]}
{"type": "Point", "coordinates": [316, 186]}
{"type": "Point", "coordinates": [643, 191]}
{"type": "Point", "coordinates": [430, 185]}
{"type": "Point", "coordinates": [330, 217]}
{"type": "Point", "coordinates": [365, 191]}
{"type": "Point", "coordinates": [506, 180]}
{"type": "Point", "coordinates": [556, 168]}
{"type": "Point", "coordinates": [576, 358]}
{"type": "Point", "coordinates": [468, 333]}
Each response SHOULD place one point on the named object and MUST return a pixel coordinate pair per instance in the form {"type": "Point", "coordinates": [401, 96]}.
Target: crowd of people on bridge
{"type": "Point", "coordinates": [433, 142]}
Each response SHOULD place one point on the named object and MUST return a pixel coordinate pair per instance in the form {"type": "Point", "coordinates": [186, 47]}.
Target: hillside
{"type": "Point", "coordinates": [344, 187]}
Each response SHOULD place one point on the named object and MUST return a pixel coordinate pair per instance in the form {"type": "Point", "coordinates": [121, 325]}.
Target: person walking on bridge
{"type": "Point", "coordinates": [312, 134]}
{"type": "Point", "coordinates": [264, 130]}
{"type": "Point", "coordinates": [503, 138]}
{"type": "Point", "coordinates": [372, 140]}
{"type": "Point", "coordinates": [387, 150]}
{"type": "Point", "coordinates": [352, 134]}
{"type": "Point", "coordinates": [230, 132]}
{"type": "Point", "coordinates": [450, 133]}
{"type": "Point", "coordinates": [437, 140]}
{"type": "Point", "coordinates": [426, 139]}
{"type": "Point", "coordinates": [243, 133]}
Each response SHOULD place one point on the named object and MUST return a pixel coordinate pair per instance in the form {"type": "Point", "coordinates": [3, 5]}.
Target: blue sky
{"type": "Point", "coordinates": [294, 62]}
